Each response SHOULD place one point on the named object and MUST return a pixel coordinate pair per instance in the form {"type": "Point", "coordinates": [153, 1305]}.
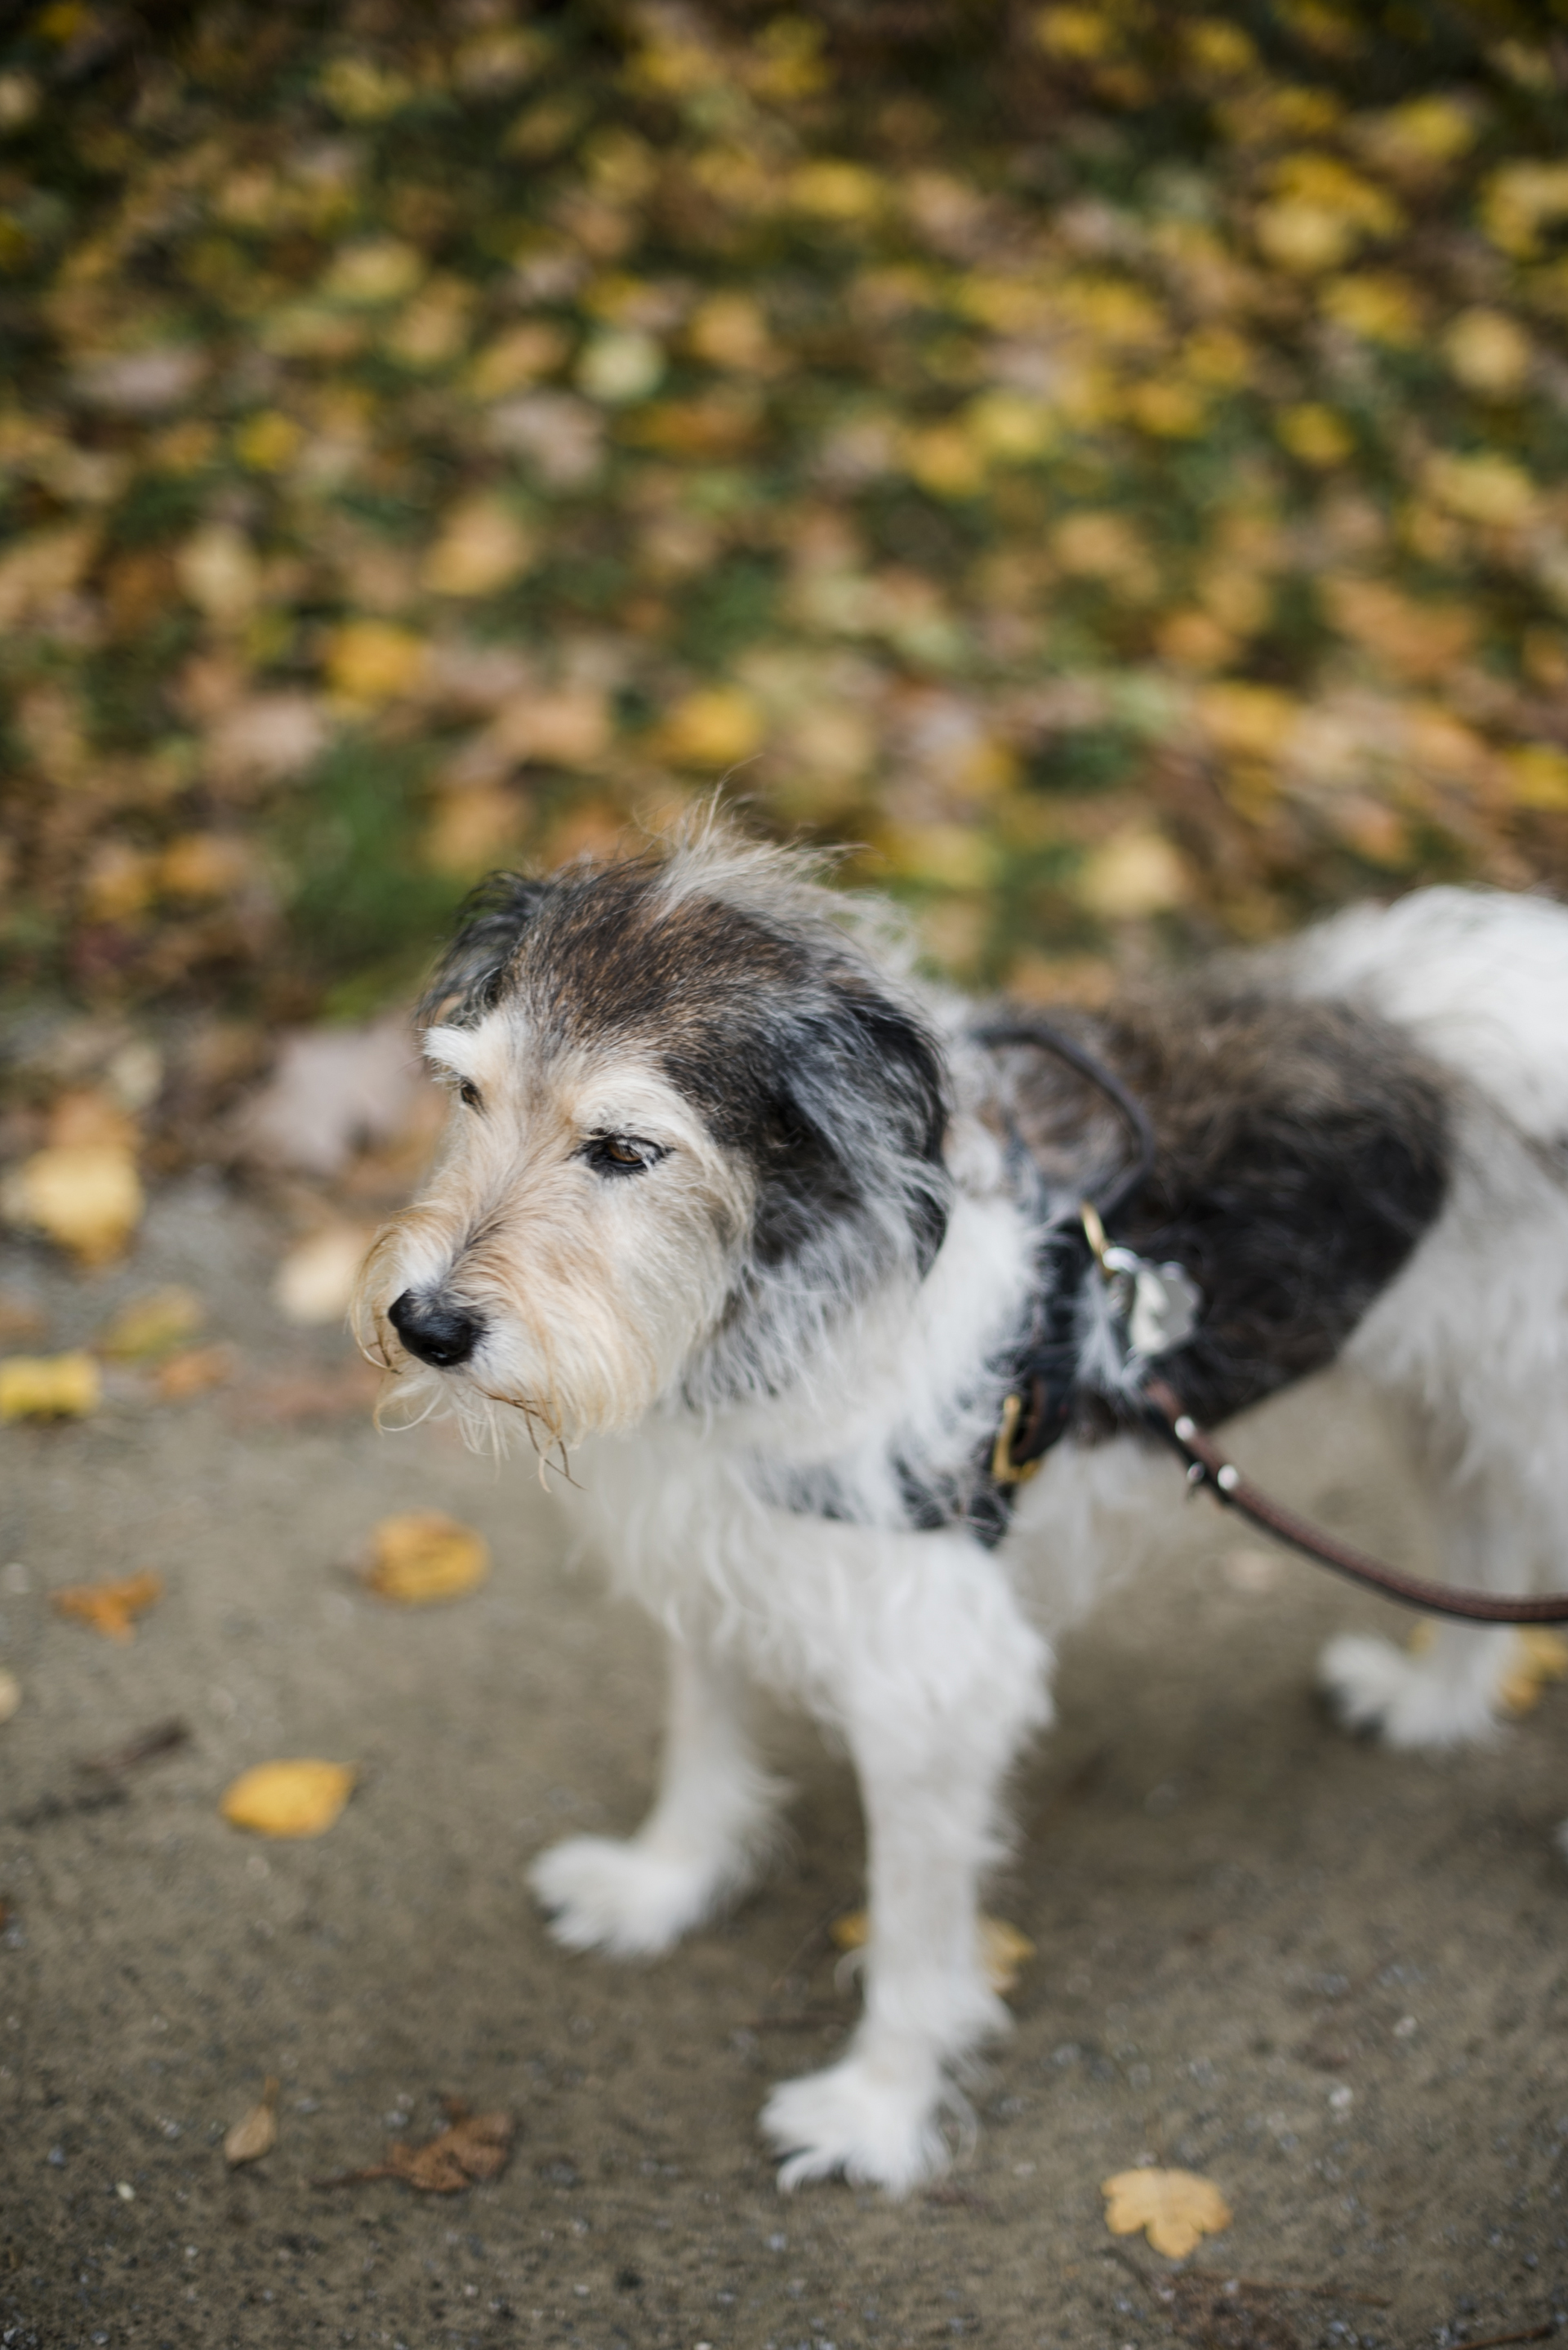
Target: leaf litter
{"type": "Point", "coordinates": [420, 1556]}
{"type": "Point", "coordinates": [256, 2132]}
{"type": "Point", "coordinates": [50, 1386]}
{"type": "Point", "coordinates": [296, 1798]}
{"type": "Point", "coordinates": [471, 2147]}
{"type": "Point", "coordinates": [111, 1608]}
{"type": "Point", "coordinates": [1175, 2209]}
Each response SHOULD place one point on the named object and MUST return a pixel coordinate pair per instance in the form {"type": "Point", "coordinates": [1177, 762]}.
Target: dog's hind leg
{"type": "Point", "coordinates": [1445, 1691]}
{"type": "Point", "coordinates": [699, 1845]}
{"type": "Point", "coordinates": [941, 1679]}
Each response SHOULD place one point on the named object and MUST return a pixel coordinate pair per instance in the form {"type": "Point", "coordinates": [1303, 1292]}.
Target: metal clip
{"type": "Point", "coordinates": [1005, 1470]}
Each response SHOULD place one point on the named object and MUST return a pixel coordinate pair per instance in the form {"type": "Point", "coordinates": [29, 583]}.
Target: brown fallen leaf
{"type": "Point", "coordinates": [50, 1387]}
{"type": "Point", "coordinates": [1003, 1948]}
{"type": "Point", "coordinates": [20, 1317]}
{"type": "Point", "coordinates": [193, 1371]}
{"type": "Point", "coordinates": [308, 1395]}
{"type": "Point", "coordinates": [87, 1197]}
{"type": "Point", "coordinates": [255, 2133]}
{"type": "Point", "coordinates": [471, 2147]}
{"type": "Point", "coordinates": [153, 1324]}
{"type": "Point", "coordinates": [316, 1280]}
{"type": "Point", "coordinates": [1175, 2209]}
{"type": "Point", "coordinates": [289, 1799]}
{"type": "Point", "coordinates": [419, 1555]}
{"type": "Point", "coordinates": [111, 1608]}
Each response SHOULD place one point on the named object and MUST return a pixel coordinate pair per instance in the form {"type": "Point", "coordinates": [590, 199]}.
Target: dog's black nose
{"type": "Point", "coordinates": [437, 1332]}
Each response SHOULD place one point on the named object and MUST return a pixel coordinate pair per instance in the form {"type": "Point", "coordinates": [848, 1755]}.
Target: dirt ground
{"type": "Point", "coordinates": [1330, 1978]}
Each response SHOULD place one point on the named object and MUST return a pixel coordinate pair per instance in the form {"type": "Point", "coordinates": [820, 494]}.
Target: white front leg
{"type": "Point", "coordinates": [942, 1679]}
{"type": "Point", "coordinates": [698, 1846]}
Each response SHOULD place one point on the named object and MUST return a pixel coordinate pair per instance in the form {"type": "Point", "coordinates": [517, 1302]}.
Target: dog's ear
{"type": "Point", "coordinates": [470, 976]}
{"type": "Point", "coordinates": [859, 1113]}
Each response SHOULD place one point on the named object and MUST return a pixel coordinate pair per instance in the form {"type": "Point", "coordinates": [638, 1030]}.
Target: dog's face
{"type": "Point", "coordinates": [689, 1120]}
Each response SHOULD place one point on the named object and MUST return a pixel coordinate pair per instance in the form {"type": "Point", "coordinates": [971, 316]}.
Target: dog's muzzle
{"type": "Point", "coordinates": [438, 1333]}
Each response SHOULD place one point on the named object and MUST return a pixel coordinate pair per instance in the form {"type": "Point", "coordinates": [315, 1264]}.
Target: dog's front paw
{"type": "Point", "coordinates": [622, 1897]}
{"type": "Point", "coordinates": [1372, 1685]}
{"type": "Point", "coordinates": [879, 2130]}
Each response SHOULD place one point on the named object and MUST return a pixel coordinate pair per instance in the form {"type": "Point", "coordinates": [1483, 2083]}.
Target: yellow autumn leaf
{"type": "Point", "coordinates": [1135, 873]}
{"type": "Point", "coordinates": [1484, 488]}
{"type": "Point", "coordinates": [835, 190]}
{"type": "Point", "coordinates": [1175, 2209]}
{"type": "Point", "coordinates": [1314, 434]}
{"type": "Point", "coordinates": [714, 727]}
{"type": "Point", "coordinates": [268, 443]}
{"type": "Point", "coordinates": [1487, 352]}
{"type": "Point", "coordinates": [113, 1607]}
{"type": "Point", "coordinates": [86, 1197]}
{"type": "Point", "coordinates": [374, 660]}
{"type": "Point", "coordinates": [1537, 775]}
{"type": "Point", "coordinates": [1003, 1948]}
{"type": "Point", "coordinates": [1536, 1656]}
{"type": "Point", "coordinates": [50, 1387]}
{"type": "Point", "coordinates": [288, 1799]}
{"type": "Point", "coordinates": [483, 546]}
{"type": "Point", "coordinates": [153, 1324]}
{"type": "Point", "coordinates": [421, 1555]}
{"type": "Point", "coordinates": [316, 1280]}
{"type": "Point", "coordinates": [1379, 308]}
{"type": "Point", "coordinates": [381, 269]}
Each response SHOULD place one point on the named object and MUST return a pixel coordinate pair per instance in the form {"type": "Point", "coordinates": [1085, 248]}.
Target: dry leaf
{"type": "Point", "coordinates": [150, 1324]}
{"type": "Point", "coordinates": [1174, 2208]}
{"type": "Point", "coordinates": [50, 1387]}
{"type": "Point", "coordinates": [86, 1197]}
{"type": "Point", "coordinates": [111, 1608]}
{"type": "Point", "coordinates": [483, 546]}
{"type": "Point", "coordinates": [1003, 1948]}
{"type": "Point", "coordinates": [20, 1317]}
{"type": "Point", "coordinates": [1536, 1656]}
{"type": "Point", "coordinates": [421, 1555]}
{"type": "Point", "coordinates": [316, 1280]}
{"type": "Point", "coordinates": [472, 2145]}
{"type": "Point", "coordinates": [308, 1395]}
{"type": "Point", "coordinates": [85, 1118]}
{"type": "Point", "coordinates": [255, 2133]}
{"type": "Point", "coordinates": [10, 1694]}
{"type": "Point", "coordinates": [193, 1371]}
{"type": "Point", "coordinates": [289, 1799]}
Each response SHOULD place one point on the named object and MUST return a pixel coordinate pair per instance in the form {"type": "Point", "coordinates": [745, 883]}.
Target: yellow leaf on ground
{"type": "Point", "coordinates": [1536, 1657]}
{"type": "Point", "coordinates": [1003, 1948]}
{"type": "Point", "coordinates": [1174, 2208]}
{"type": "Point", "coordinates": [150, 1324]}
{"type": "Point", "coordinates": [316, 1280]}
{"type": "Point", "coordinates": [111, 1608]}
{"type": "Point", "coordinates": [419, 1555]}
{"type": "Point", "coordinates": [193, 1371]}
{"type": "Point", "coordinates": [714, 727]}
{"type": "Point", "coordinates": [373, 661]}
{"type": "Point", "coordinates": [289, 1799]}
{"type": "Point", "coordinates": [50, 1387]}
{"type": "Point", "coordinates": [87, 1198]}
{"type": "Point", "coordinates": [1135, 873]}
{"type": "Point", "coordinates": [255, 2133]}
{"type": "Point", "coordinates": [482, 546]}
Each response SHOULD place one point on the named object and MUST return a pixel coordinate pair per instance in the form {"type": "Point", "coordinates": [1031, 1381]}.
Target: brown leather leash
{"type": "Point", "coordinates": [1207, 1465]}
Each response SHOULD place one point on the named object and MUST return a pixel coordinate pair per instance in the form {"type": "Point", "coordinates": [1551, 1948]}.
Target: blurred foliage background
{"type": "Point", "coordinates": [1106, 461]}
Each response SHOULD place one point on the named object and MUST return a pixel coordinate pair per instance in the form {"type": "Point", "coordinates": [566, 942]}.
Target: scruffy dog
{"type": "Point", "coordinates": [757, 1229]}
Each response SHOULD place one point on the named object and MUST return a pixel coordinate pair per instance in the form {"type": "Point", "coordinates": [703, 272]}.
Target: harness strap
{"type": "Point", "coordinates": [1044, 1384]}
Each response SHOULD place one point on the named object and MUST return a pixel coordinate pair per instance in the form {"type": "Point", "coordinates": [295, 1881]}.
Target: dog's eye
{"type": "Point", "coordinates": [469, 1094]}
{"type": "Point", "coordinates": [622, 1154]}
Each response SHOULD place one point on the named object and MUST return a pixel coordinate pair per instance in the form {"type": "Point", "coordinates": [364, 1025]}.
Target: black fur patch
{"type": "Point", "coordinates": [1301, 1152]}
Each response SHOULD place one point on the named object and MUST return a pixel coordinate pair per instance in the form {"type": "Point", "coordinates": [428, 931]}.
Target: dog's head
{"type": "Point", "coordinates": [694, 1121]}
